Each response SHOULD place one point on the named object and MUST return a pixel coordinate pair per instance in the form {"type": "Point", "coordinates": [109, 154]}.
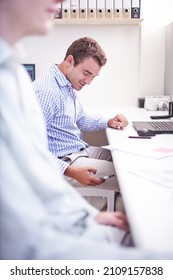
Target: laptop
{"type": "Point", "coordinates": [157, 127]}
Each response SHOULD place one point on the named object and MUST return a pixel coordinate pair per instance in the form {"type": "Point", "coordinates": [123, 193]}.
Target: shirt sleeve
{"type": "Point", "coordinates": [61, 165]}
{"type": "Point", "coordinates": [88, 122]}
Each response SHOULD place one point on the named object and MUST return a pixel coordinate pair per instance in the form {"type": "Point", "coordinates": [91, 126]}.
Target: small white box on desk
{"type": "Point", "coordinates": [154, 103]}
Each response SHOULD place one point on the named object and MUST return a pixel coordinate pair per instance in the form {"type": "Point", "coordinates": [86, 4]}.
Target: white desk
{"type": "Point", "coordinates": [149, 206]}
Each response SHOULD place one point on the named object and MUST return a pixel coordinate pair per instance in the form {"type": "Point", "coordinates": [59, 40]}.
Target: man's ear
{"type": "Point", "coordinates": [70, 60]}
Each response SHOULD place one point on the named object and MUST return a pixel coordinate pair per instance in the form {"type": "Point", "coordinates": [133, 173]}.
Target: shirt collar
{"type": "Point", "coordinates": [6, 52]}
{"type": "Point", "coordinates": [60, 77]}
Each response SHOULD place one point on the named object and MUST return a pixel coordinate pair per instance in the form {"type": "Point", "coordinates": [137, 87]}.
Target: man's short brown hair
{"type": "Point", "coordinates": [86, 47]}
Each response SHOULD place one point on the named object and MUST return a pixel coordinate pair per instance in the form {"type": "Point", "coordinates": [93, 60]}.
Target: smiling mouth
{"type": "Point", "coordinates": [82, 85]}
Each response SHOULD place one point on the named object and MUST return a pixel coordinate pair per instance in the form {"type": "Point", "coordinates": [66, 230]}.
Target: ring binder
{"type": "Point", "coordinates": [109, 8]}
{"type": "Point", "coordinates": [126, 9]}
{"type": "Point", "coordinates": [66, 9]}
{"type": "Point", "coordinates": [135, 10]}
{"type": "Point", "coordinates": [101, 9]}
{"type": "Point", "coordinates": [91, 9]}
{"type": "Point", "coordinates": [58, 14]}
{"type": "Point", "coordinates": [82, 9]}
{"type": "Point", "coordinates": [118, 9]}
{"type": "Point", "coordinates": [74, 13]}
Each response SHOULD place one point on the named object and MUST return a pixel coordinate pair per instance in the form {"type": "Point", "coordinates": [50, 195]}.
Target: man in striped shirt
{"type": "Point", "coordinates": [66, 118]}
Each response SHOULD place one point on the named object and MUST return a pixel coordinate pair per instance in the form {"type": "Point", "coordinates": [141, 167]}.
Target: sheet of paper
{"type": "Point", "coordinates": [142, 147]}
{"type": "Point", "coordinates": [159, 174]}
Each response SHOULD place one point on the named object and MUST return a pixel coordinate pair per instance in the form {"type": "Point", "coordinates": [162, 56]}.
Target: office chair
{"type": "Point", "coordinates": [108, 192]}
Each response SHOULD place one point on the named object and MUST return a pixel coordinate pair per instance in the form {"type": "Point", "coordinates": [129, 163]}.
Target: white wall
{"type": "Point", "coordinates": [156, 15]}
{"type": "Point", "coordinates": [168, 85]}
{"type": "Point", "coordinates": [128, 73]}
{"type": "Point", "coordinates": [118, 80]}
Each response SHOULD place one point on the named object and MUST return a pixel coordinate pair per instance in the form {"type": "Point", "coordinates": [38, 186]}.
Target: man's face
{"type": "Point", "coordinates": [34, 16]}
{"type": "Point", "coordinates": [83, 73]}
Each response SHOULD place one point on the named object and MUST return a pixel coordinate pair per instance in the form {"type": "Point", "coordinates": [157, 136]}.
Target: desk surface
{"type": "Point", "coordinates": [149, 205]}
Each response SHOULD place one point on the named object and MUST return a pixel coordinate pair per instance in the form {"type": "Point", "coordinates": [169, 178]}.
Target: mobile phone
{"type": "Point", "coordinates": [104, 177]}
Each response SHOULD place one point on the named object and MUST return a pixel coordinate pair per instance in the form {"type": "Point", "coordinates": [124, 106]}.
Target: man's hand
{"type": "Point", "coordinates": [116, 219]}
{"type": "Point", "coordinates": [118, 122]}
{"type": "Point", "coordinates": [84, 175]}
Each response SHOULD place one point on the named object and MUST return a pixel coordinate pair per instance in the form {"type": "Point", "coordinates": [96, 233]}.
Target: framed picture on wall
{"type": "Point", "coordinates": [30, 68]}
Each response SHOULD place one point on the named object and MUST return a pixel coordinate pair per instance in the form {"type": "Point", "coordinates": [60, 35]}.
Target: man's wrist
{"type": "Point", "coordinates": [70, 171]}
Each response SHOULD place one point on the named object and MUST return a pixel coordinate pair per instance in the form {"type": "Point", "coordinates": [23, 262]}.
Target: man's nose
{"type": "Point", "coordinates": [88, 80]}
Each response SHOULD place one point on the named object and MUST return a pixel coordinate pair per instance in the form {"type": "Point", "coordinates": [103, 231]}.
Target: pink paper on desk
{"type": "Point", "coordinates": [163, 150]}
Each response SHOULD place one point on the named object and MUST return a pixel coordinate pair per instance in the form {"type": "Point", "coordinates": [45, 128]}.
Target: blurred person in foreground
{"type": "Point", "coordinates": [41, 215]}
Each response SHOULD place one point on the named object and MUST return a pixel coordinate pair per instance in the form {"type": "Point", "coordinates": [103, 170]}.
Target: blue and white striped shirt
{"type": "Point", "coordinates": [64, 114]}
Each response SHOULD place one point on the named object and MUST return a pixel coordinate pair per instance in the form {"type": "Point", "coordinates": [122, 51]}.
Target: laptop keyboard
{"type": "Point", "coordinates": [166, 126]}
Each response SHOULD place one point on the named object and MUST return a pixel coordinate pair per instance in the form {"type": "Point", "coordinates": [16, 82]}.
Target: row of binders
{"type": "Point", "coordinates": [97, 9]}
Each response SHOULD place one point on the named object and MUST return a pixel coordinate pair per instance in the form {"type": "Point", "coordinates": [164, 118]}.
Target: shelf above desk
{"type": "Point", "coordinates": [98, 21]}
